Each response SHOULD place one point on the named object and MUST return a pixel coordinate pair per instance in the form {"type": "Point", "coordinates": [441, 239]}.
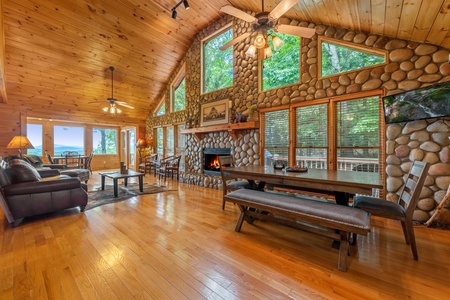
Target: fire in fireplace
{"type": "Point", "coordinates": [211, 159]}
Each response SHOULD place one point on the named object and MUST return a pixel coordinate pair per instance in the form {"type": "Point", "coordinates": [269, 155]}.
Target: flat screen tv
{"type": "Point", "coordinates": [424, 103]}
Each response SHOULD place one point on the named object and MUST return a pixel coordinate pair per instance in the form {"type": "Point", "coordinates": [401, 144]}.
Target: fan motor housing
{"type": "Point", "coordinates": [263, 22]}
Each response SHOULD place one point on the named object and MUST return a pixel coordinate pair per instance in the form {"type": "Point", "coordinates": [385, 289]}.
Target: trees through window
{"type": "Point", "coordinates": [178, 95]}
{"type": "Point", "coordinates": [217, 64]}
{"type": "Point", "coordinates": [339, 58]}
{"type": "Point", "coordinates": [283, 67]}
{"type": "Point", "coordinates": [302, 137]}
{"type": "Point", "coordinates": [104, 141]}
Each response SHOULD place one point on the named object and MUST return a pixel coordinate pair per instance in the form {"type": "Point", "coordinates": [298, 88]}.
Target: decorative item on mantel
{"type": "Point", "coordinates": [253, 113]}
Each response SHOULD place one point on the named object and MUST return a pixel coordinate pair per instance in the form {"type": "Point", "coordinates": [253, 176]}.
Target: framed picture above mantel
{"type": "Point", "coordinates": [214, 113]}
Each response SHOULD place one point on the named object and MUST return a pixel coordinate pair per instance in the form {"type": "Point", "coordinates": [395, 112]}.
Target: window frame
{"type": "Point", "coordinates": [181, 75]}
{"type": "Point", "coordinates": [116, 141]}
{"type": "Point", "coordinates": [359, 48]}
{"type": "Point", "coordinates": [332, 157]}
{"type": "Point", "coordinates": [216, 33]}
{"type": "Point", "coordinates": [159, 106]}
{"type": "Point", "coordinates": [42, 139]}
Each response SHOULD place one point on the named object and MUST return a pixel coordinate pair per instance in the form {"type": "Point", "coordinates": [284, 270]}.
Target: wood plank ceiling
{"type": "Point", "coordinates": [58, 53]}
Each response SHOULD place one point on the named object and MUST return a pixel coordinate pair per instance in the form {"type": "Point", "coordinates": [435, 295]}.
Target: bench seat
{"type": "Point", "coordinates": [329, 216]}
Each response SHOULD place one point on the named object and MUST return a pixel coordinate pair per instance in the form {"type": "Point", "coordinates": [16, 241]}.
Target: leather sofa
{"type": "Point", "coordinates": [36, 161]}
{"type": "Point", "coordinates": [26, 192]}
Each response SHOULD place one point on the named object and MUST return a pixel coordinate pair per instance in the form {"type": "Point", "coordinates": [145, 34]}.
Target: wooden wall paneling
{"type": "Point", "coordinates": [440, 30]}
{"type": "Point", "coordinates": [392, 17]}
{"type": "Point", "coordinates": [423, 22]}
{"type": "Point", "coordinates": [378, 9]}
{"type": "Point", "coordinates": [407, 21]}
{"type": "Point", "coordinates": [3, 95]}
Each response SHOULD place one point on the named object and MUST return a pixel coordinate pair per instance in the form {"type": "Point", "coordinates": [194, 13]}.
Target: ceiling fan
{"type": "Point", "coordinates": [262, 22]}
{"type": "Point", "coordinates": [112, 108]}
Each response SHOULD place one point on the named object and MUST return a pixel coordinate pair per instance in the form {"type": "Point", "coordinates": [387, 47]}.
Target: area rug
{"type": "Point", "coordinates": [98, 197]}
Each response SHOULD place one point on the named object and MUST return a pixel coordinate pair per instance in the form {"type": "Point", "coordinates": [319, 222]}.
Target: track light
{"type": "Point", "coordinates": [174, 9]}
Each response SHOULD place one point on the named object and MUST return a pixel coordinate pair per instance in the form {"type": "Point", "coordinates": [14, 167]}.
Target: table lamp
{"type": "Point", "coordinates": [20, 142]}
{"type": "Point", "coordinates": [141, 144]}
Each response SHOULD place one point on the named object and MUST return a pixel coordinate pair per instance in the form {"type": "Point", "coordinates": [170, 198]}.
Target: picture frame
{"type": "Point", "coordinates": [214, 113]}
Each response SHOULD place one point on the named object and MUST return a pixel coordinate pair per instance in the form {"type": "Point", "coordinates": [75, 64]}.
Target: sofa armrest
{"type": "Point", "coordinates": [42, 186]}
{"type": "Point", "coordinates": [48, 172]}
{"type": "Point", "coordinates": [55, 166]}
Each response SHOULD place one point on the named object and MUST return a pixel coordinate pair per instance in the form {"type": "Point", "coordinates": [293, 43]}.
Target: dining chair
{"type": "Point", "coordinates": [228, 183]}
{"type": "Point", "coordinates": [161, 167]}
{"type": "Point", "coordinates": [87, 162]}
{"type": "Point", "coordinates": [402, 210]}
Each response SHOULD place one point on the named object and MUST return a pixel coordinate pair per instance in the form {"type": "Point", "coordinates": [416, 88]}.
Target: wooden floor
{"type": "Point", "coordinates": [181, 245]}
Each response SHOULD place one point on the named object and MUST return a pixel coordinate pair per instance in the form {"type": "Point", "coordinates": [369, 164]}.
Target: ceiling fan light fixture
{"type": "Point", "coordinates": [251, 51]}
{"type": "Point", "coordinates": [260, 41]}
{"type": "Point", "coordinates": [277, 43]}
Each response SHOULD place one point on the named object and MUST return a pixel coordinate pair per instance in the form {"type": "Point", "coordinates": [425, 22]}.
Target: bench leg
{"type": "Point", "coordinates": [240, 221]}
{"type": "Point", "coordinates": [343, 251]}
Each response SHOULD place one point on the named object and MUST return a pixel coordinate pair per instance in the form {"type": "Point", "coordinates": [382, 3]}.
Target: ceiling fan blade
{"type": "Point", "coordinates": [228, 9]}
{"type": "Point", "coordinates": [296, 30]}
{"type": "Point", "coordinates": [234, 41]}
{"type": "Point", "coordinates": [281, 8]}
{"type": "Point", "coordinates": [121, 103]}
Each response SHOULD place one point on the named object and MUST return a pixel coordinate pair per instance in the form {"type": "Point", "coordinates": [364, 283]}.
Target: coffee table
{"type": "Point", "coordinates": [116, 175]}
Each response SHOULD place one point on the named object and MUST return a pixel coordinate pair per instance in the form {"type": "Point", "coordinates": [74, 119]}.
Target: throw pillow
{"type": "Point", "coordinates": [23, 171]}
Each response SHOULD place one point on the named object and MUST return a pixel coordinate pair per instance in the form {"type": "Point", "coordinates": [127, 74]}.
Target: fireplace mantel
{"type": "Point", "coordinates": [232, 128]}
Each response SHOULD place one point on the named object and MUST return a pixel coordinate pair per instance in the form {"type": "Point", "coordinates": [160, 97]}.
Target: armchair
{"type": "Point", "coordinates": [23, 192]}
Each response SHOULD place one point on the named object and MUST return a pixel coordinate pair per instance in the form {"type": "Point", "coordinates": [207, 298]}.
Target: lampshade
{"type": "Point", "coordinates": [267, 52]}
{"type": "Point", "coordinates": [260, 41]}
{"type": "Point", "coordinates": [20, 142]}
{"type": "Point", "coordinates": [277, 43]}
{"type": "Point", "coordinates": [112, 109]}
{"type": "Point", "coordinates": [251, 51]}
{"type": "Point", "coordinates": [141, 143]}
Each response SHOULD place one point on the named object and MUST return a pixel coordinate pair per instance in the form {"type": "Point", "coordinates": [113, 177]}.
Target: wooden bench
{"type": "Point", "coordinates": [335, 221]}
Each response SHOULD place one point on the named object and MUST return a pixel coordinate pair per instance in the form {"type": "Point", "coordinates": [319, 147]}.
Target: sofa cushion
{"type": "Point", "coordinates": [23, 171]}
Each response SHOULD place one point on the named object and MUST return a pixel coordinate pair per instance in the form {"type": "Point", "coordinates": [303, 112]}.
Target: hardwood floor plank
{"type": "Point", "coordinates": [181, 245]}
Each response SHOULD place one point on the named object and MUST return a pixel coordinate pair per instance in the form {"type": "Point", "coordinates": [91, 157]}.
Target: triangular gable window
{"type": "Point", "coordinates": [162, 109]}
{"type": "Point", "coordinates": [339, 58]}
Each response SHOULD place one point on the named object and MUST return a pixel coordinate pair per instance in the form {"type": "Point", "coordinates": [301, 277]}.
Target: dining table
{"type": "Point", "coordinates": [341, 184]}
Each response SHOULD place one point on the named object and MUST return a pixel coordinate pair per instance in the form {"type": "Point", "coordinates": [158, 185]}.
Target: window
{"type": "Point", "coordinates": [160, 142]}
{"type": "Point", "coordinates": [169, 141]}
{"type": "Point", "coordinates": [68, 138]}
{"type": "Point", "coordinates": [337, 58]}
{"type": "Point", "coordinates": [312, 136]}
{"type": "Point", "coordinates": [178, 97]}
{"type": "Point", "coordinates": [181, 139]}
{"type": "Point", "coordinates": [161, 110]}
{"type": "Point", "coordinates": [276, 134]}
{"type": "Point", "coordinates": [104, 141]}
{"type": "Point", "coordinates": [346, 138]}
{"type": "Point", "coordinates": [283, 67]}
{"type": "Point", "coordinates": [217, 64]}
{"type": "Point", "coordinates": [34, 134]}
{"type": "Point", "coordinates": [358, 134]}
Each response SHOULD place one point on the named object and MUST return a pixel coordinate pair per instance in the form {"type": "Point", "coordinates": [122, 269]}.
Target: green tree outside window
{"type": "Point", "coordinates": [218, 64]}
{"type": "Point", "coordinates": [283, 68]}
{"type": "Point", "coordinates": [339, 59]}
{"type": "Point", "coordinates": [179, 96]}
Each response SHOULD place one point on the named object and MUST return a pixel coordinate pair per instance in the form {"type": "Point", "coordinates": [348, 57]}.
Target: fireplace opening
{"type": "Point", "coordinates": [211, 159]}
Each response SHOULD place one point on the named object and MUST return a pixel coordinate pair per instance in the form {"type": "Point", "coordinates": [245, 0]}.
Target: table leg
{"type": "Point", "coordinates": [141, 183]}
{"type": "Point", "coordinates": [125, 181]}
{"type": "Point", "coordinates": [116, 193]}
{"type": "Point", "coordinates": [103, 182]}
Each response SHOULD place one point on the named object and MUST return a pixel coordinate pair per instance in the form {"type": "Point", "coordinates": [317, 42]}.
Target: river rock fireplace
{"type": "Point", "coordinates": [211, 160]}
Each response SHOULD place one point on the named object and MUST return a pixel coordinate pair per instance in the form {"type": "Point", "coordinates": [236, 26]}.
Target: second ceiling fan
{"type": "Point", "coordinates": [261, 23]}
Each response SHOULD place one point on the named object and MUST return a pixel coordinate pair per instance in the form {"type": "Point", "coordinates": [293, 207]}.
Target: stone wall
{"type": "Point", "coordinates": [411, 65]}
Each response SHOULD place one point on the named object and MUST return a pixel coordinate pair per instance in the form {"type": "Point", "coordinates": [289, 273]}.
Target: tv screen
{"type": "Point", "coordinates": [424, 103]}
